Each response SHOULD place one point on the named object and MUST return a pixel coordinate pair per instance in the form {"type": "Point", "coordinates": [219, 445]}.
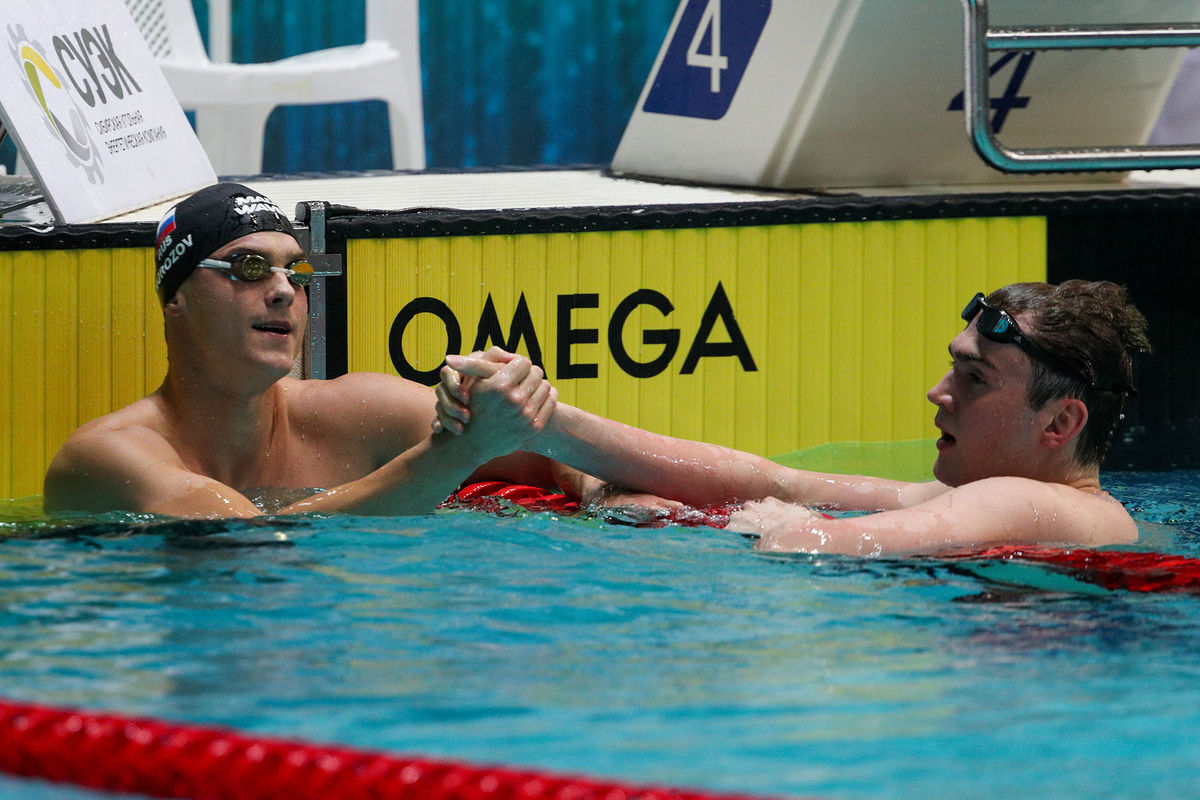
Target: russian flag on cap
{"type": "Point", "coordinates": [165, 227]}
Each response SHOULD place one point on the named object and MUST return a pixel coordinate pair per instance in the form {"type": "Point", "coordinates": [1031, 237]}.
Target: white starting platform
{"type": "Point", "coordinates": [869, 93]}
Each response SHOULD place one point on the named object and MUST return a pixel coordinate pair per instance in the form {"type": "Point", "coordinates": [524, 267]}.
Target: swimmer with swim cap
{"type": "Point", "coordinates": [228, 421]}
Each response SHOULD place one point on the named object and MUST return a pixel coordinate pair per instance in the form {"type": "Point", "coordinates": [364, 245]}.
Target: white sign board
{"type": "Point", "coordinates": [91, 111]}
{"type": "Point", "coordinates": [861, 93]}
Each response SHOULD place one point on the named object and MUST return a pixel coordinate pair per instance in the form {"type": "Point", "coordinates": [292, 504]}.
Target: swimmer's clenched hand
{"type": "Point", "coordinates": [606, 495]}
{"type": "Point", "coordinates": [765, 516]}
{"type": "Point", "coordinates": [454, 387]}
{"type": "Point", "coordinates": [509, 402]}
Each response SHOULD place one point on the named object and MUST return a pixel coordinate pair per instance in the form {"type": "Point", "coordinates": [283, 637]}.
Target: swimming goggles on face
{"type": "Point", "coordinates": [995, 324]}
{"type": "Point", "coordinates": [251, 267]}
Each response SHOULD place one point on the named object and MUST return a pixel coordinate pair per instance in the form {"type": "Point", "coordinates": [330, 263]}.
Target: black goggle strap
{"type": "Point", "coordinates": [998, 325]}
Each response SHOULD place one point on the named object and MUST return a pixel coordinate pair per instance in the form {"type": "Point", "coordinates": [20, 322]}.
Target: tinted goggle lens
{"type": "Point", "coordinates": [253, 267]}
{"type": "Point", "coordinates": [993, 323]}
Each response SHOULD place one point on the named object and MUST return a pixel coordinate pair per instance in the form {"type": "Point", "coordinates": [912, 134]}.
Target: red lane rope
{"type": "Point", "coordinates": [1134, 571]}
{"type": "Point", "coordinates": [160, 759]}
{"type": "Point", "coordinates": [499, 497]}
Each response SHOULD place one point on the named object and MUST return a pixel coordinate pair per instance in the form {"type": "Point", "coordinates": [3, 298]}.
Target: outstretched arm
{"type": "Point", "coordinates": [691, 472]}
{"type": "Point", "coordinates": [979, 514]}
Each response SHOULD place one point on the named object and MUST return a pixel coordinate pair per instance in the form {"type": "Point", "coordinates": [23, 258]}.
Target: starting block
{"type": "Point", "coordinates": [820, 94]}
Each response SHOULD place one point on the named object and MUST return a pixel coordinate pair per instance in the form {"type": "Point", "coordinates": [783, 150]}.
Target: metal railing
{"type": "Point", "coordinates": [980, 40]}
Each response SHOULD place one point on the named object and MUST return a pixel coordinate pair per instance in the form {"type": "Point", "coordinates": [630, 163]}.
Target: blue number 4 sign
{"type": "Point", "coordinates": [1011, 98]}
{"type": "Point", "coordinates": [706, 57]}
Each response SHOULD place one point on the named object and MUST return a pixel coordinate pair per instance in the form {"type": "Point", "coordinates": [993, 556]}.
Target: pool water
{"type": "Point", "coordinates": [673, 656]}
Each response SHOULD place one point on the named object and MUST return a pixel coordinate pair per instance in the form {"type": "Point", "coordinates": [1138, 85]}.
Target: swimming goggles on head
{"type": "Point", "coordinates": [997, 325]}
{"type": "Point", "coordinates": [253, 267]}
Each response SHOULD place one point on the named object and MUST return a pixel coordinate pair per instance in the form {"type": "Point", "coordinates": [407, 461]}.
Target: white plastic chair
{"type": "Point", "coordinates": [232, 101]}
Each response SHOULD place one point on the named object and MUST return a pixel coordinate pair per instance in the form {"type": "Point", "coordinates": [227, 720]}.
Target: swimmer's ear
{"type": "Point", "coordinates": [1070, 415]}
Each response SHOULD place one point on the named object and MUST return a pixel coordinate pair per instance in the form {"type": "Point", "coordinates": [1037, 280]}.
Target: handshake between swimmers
{"type": "Point", "coordinates": [1026, 413]}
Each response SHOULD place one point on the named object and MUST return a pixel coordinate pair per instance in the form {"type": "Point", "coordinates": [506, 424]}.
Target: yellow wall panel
{"type": "Point", "coordinates": [751, 297]}
{"type": "Point", "coordinates": [910, 374]}
{"type": "Point", "coordinates": [687, 293]}
{"type": "Point", "coordinates": [82, 336]}
{"type": "Point", "coordinates": [29, 335]}
{"type": "Point", "coordinates": [532, 250]}
{"type": "Point", "coordinates": [719, 375]}
{"type": "Point", "coordinates": [656, 396]}
{"type": "Point", "coordinates": [817, 331]}
{"type": "Point", "coordinates": [127, 328]}
{"type": "Point", "coordinates": [60, 391]}
{"type": "Point", "coordinates": [625, 278]}
{"type": "Point", "coordinates": [588, 320]}
{"type": "Point", "coordinates": [562, 280]}
{"type": "Point", "coordinates": [8, 374]}
{"type": "Point", "coordinates": [781, 320]}
{"type": "Point", "coordinates": [846, 323]}
{"type": "Point", "coordinates": [846, 309]}
{"type": "Point", "coordinates": [880, 279]}
{"type": "Point", "coordinates": [972, 257]}
{"type": "Point", "coordinates": [367, 341]}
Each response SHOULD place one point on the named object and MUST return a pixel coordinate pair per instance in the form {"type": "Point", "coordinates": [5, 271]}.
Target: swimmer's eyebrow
{"type": "Point", "coordinates": [960, 355]}
{"type": "Point", "coordinates": [247, 250]}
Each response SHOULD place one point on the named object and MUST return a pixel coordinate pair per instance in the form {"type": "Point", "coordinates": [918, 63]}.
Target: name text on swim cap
{"type": "Point", "coordinates": [172, 254]}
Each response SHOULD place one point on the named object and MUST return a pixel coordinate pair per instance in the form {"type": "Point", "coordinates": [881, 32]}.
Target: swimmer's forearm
{"type": "Point", "coordinates": [677, 469]}
{"type": "Point", "coordinates": [414, 482]}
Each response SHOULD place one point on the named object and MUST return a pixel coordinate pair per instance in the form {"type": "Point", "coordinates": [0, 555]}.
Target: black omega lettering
{"type": "Point", "coordinates": [718, 308]}
{"type": "Point", "coordinates": [668, 337]}
{"type": "Point", "coordinates": [422, 305]}
{"type": "Point", "coordinates": [491, 332]}
{"type": "Point", "coordinates": [568, 336]}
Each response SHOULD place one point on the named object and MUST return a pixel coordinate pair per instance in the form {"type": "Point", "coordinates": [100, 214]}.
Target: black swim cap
{"type": "Point", "coordinates": [203, 223]}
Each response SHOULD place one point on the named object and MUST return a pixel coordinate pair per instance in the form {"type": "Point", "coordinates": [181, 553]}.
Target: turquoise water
{"type": "Point", "coordinates": [668, 656]}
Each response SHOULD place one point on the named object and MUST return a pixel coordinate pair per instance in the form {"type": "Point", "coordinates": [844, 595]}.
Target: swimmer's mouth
{"type": "Point", "coordinates": [945, 439]}
{"type": "Point", "coordinates": [281, 328]}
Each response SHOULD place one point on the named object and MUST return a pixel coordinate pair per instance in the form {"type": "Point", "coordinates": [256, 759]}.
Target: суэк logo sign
{"type": "Point", "coordinates": [61, 115]}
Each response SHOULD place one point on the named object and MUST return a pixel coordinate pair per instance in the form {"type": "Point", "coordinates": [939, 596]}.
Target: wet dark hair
{"type": "Point", "coordinates": [1095, 329]}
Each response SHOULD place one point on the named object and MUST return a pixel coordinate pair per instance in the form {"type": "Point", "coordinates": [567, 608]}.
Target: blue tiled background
{"type": "Point", "coordinates": [507, 82]}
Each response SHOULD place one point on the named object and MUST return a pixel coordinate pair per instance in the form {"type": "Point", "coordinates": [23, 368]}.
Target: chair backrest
{"type": "Point", "coordinates": [169, 28]}
{"type": "Point", "coordinates": [393, 21]}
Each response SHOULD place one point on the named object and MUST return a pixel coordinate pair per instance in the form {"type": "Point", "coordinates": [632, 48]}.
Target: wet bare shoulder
{"type": "Point", "coordinates": [107, 463]}
{"type": "Point", "coordinates": [362, 404]}
{"type": "Point", "coordinates": [1056, 513]}
{"type": "Point", "coordinates": [145, 414]}
{"type": "Point", "coordinates": [1106, 519]}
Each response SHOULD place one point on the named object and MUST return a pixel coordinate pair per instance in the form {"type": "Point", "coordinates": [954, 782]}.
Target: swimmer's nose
{"type": "Point", "coordinates": [281, 291]}
{"type": "Point", "coordinates": [939, 395]}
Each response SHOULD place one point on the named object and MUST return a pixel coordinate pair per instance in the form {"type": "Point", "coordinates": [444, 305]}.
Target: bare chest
{"type": "Point", "coordinates": [303, 459]}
